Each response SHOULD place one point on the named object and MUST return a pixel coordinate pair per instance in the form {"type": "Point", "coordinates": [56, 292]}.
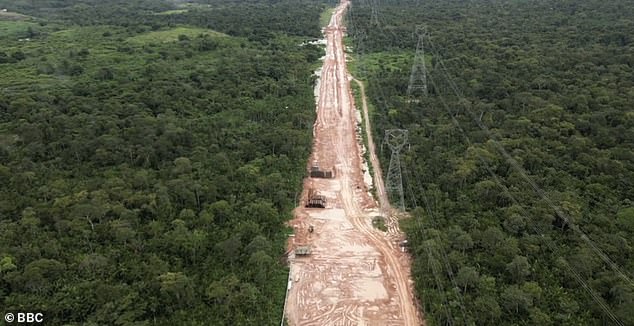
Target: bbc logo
{"type": "Point", "coordinates": [24, 317]}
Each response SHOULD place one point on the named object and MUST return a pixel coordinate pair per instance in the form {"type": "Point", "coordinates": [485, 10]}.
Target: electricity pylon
{"type": "Point", "coordinates": [418, 76]}
{"type": "Point", "coordinates": [396, 139]}
{"type": "Point", "coordinates": [374, 19]}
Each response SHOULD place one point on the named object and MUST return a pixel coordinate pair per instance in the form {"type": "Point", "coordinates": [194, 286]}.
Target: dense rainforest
{"type": "Point", "coordinates": [520, 170]}
{"type": "Point", "coordinates": [150, 153]}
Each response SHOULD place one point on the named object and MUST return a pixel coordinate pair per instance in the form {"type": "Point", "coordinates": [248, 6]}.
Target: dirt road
{"type": "Point", "coordinates": [355, 274]}
{"type": "Point", "coordinates": [384, 202]}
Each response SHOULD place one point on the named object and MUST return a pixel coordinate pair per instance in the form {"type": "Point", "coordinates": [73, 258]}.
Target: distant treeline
{"type": "Point", "coordinates": [289, 17]}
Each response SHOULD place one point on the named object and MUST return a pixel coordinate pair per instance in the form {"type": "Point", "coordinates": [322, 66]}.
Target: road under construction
{"type": "Point", "coordinates": [348, 272]}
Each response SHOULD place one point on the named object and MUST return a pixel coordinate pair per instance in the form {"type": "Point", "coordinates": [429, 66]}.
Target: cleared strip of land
{"type": "Point", "coordinates": [354, 274]}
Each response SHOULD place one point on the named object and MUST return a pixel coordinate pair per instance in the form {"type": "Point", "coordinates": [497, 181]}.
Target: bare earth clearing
{"type": "Point", "coordinates": [355, 274]}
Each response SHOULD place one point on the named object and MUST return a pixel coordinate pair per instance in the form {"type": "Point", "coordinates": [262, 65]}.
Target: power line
{"type": "Point", "coordinates": [588, 289]}
{"type": "Point", "coordinates": [430, 256]}
{"type": "Point", "coordinates": [395, 183]}
{"type": "Point", "coordinates": [396, 139]}
{"type": "Point", "coordinates": [536, 188]}
{"type": "Point", "coordinates": [445, 258]}
{"type": "Point", "coordinates": [374, 19]}
{"type": "Point", "coordinates": [418, 77]}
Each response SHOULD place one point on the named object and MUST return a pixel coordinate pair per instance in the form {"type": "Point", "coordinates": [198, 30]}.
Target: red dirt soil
{"type": "Point", "coordinates": [355, 274]}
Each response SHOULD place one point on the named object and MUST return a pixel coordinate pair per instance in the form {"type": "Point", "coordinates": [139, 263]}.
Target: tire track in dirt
{"type": "Point", "coordinates": [355, 275]}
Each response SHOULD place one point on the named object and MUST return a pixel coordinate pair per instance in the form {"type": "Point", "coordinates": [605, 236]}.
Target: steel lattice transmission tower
{"type": "Point", "coordinates": [396, 139]}
{"type": "Point", "coordinates": [374, 19]}
{"type": "Point", "coordinates": [418, 77]}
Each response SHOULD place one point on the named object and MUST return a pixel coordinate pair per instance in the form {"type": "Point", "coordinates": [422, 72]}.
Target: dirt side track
{"type": "Point", "coordinates": [355, 274]}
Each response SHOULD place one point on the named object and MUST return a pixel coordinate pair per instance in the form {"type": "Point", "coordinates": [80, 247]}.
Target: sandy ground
{"type": "Point", "coordinates": [355, 274]}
